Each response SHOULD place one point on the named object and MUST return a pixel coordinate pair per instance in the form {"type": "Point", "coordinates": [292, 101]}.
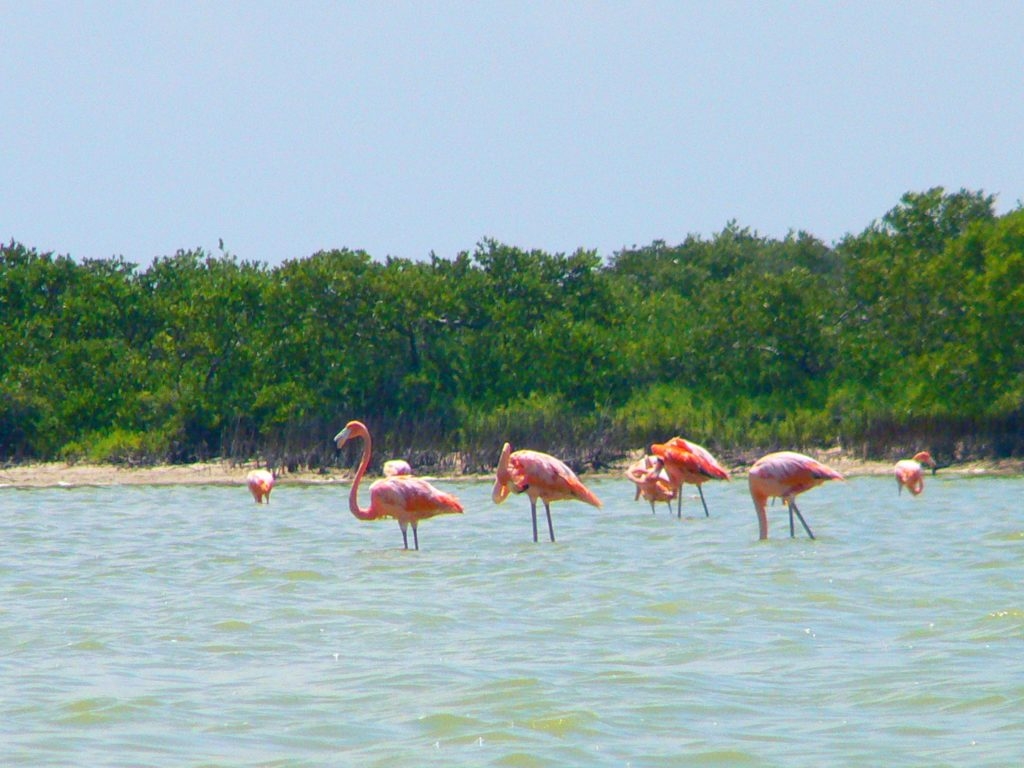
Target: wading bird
{"type": "Point", "coordinates": [407, 499]}
{"type": "Point", "coordinates": [687, 462]}
{"type": "Point", "coordinates": [652, 481]}
{"type": "Point", "coordinates": [786, 475]}
{"type": "Point", "coordinates": [909, 475]}
{"type": "Point", "coordinates": [261, 483]}
{"type": "Point", "coordinates": [395, 467]}
{"type": "Point", "coordinates": [539, 476]}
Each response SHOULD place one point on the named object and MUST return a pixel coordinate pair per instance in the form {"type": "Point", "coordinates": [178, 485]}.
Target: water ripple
{"type": "Point", "coordinates": [155, 626]}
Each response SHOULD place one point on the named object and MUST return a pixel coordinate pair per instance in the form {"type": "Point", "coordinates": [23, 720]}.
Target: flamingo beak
{"type": "Point", "coordinates": [499, 493]}
{"type": "Point", "coordinates": [502, 476]}
{"type": "Point", "coordinates": [342, 437]}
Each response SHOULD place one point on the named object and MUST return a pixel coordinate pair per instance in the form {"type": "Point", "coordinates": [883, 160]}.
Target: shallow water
{"type": "Point", "coordinates": [170, 626]}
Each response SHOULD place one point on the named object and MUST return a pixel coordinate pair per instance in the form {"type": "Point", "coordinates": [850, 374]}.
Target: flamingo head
{"type": "Point", "coordinates": [656, 468]}
{"type": "Point", "coordinates": [502, 476]}
{"type": "Point", "coordinates": [342, 437]}
{"type": "Point", "coordinates": [352, 429]}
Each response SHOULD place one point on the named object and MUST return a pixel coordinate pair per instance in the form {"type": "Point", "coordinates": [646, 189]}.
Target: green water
{"type": "Point", "coordinates": [185, 626]}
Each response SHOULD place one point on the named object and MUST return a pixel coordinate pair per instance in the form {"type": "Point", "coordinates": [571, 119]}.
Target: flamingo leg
{"type": "Point", "coordinates": [679, 503]}
{"type": "Point", "coordinates": [533, 513]}
{"type": "Point", "coordinates": [551, 528]}
{"type": "Point", "coordinates": [762, 520]}
{"type": "Point", "coordinates": [405, 537]}
{"type": "Point", "coordinates": [415, 537]}
{"type": "Point", "coordinates": [793, 508]}
{"type": "Point", "coordinates": [701, 492]}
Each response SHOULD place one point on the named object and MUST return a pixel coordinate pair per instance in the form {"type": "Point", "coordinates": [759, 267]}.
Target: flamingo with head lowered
{"type": "Point", "coordinates": [539, 476]}
{"type": "Point", "coordinates": [652, 481]}
{"type": "Point", "coordinates": [909, 475]}
{"type": "Point", "coordinates": [261, 483]}
{"type": "Point", "coordinates": [785, 474]}
{"type": "Point", "coordinates": [405, 498]}
{"type": "Point", "coordinates": [393, 467]}
{"type": "Point", "coordinates": [687, 462]}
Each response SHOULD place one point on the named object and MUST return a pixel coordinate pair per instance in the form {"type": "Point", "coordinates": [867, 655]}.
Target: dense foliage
{"type": "Point", "coordinates": [908, 334]}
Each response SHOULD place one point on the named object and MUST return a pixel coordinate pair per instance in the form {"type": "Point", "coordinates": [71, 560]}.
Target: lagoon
{"type": "Point", "coordinates": [186, 626]}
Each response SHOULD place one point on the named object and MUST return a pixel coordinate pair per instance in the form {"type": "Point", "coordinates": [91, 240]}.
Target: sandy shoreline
{"type": "Point", "coordinates": [59, 474]}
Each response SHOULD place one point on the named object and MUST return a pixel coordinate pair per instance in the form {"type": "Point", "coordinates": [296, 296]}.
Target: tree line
{"type": "Point", "coordinates": [907, 334]}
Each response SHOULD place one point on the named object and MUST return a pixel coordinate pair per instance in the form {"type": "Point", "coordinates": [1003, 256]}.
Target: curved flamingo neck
{"type": "Point", "coordinates": [364, 462]}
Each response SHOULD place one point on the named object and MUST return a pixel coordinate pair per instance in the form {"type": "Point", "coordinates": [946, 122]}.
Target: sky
{"type": "Point", "coordinates": [139, 128]}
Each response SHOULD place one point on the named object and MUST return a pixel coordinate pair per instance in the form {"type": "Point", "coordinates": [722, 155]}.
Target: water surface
{"type": "Point", "coordinates": [171, 626]}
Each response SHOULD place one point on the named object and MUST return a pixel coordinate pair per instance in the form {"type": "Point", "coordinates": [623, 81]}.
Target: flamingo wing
{"type": "Point", "coordinates": [791, 473]}
{"type": "Point", "coordinates": [549, 478]}
{"type": "Point", "coordinates": [410, 498]}
{"type": "Point", "coordinates": [693, 462]}
{"type": "Point", "coordinates": [711, 465]}
{"type": "Point", "coordinates": [659, 490]}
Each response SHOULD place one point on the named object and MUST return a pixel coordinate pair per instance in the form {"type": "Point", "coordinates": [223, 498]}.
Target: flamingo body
{"type": "Point", "coordinates": [786, 475]}
{"type": "Point", "coordinates": [687, 462]}
{"type": "Point", "coordinates": [261, 483]}
{"type": "Point", "coordinates": [406, 499]}
{"type": "Point", "coordinates": [652, 481]}
{"type": "Point", "coordinates": [909, 474]}
{"type": "Point", "coordinates": [539, 476]}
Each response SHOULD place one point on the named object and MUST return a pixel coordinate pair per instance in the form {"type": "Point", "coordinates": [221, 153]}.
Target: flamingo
{"type": "Point", "coordinates": [785, 474]}
{"type": "Point", "coordinates": [540, 476]}
{"type": "Point", "coordinates": [261, 483]}
{"type": "Point", "coordinates": [687, 462]}
{"type": "Point", "coordinates": [653, 486]}
{"type": "Point", "coordinates": [395, 467]}
{"type": "Point", "coordinates": [407, 499]}
{"type": "Point", "coordinates": [908, 472]}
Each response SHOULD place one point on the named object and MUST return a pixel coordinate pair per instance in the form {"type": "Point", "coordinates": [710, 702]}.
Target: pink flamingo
{"type": "Point", "coordinates": [652, 481]}
{"type": "Point", "coordinates": [395, 467]}
{"type": "Point", "coordinates": [687, 462]}
{"type": "Point", "coordinates": [539, 476]}
{"type": "Point", "coordinates": [908, 472]}
{"type": "Point", "coordinates": [261, 483]}
{"type": "Point", "coordinates": [785, 474]}
{"type": "Point", "coordinates": [407, 499]}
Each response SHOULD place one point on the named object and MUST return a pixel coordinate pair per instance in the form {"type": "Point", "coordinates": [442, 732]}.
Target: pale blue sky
{"type": "Point", "coordinates": [402, 128]}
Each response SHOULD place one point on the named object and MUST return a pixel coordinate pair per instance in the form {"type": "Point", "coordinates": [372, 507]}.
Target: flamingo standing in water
{"type": "Point", "coordinates": [908, 472]}
{"type": "Point", "coordinates": [539, 476]}
{"type": "Point", "coordinates": [687, 462]}
{"type": "Point", "coordinates": [785, 474]}
{"type": "Point", "coordinates": [652, 481]}
{"type": "Point", "coordinates": [261, 483]}
{"type": "Point", "coordinates": [407, 499]}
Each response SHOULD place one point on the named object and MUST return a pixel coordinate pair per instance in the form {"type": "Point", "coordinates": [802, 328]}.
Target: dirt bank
{"type": "Point", "coordinates": [58, 474]}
